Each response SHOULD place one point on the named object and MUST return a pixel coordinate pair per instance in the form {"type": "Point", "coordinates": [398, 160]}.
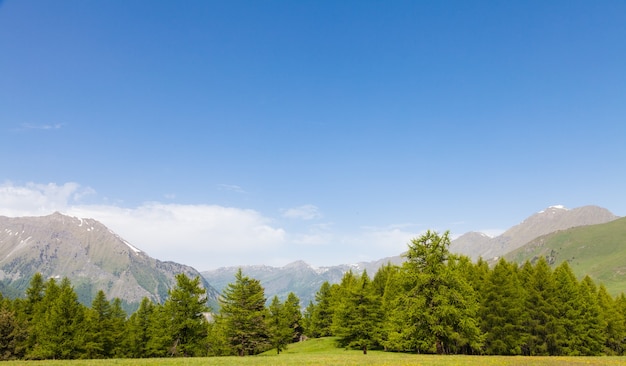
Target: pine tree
{"type": "Point", "coordinates": [138, 330]}
{"type": "Point", "coordinates": [243, 315]}
{"type": "Point", "coordinates": [613, 323]}
{"type": "Point", "coordinates": [567, 302]}
{"type": "Point", "coordinates": [186, 307]}
{"type": "Point", "coordinates": [593, 338]}
{"type": "Point", "coordinates": [358, 318]}
{"type": "Point", "coordinates": [60, 330]}
{"type": "Point", "coordinates": [540, 314]}
{"type": "Point", "coordinates": [161, 338]}
{"type": "Point", "coordinates": [293, 313]}
{"type": "Point", "coordinates": [501, 310]}
{"type": "Point", "coordinates": [279, 325]}
{"type": "Point", "coordinates": [99, 340]}
{"type": "Point", "coordinates": [118, 329]}
{"type": "Point", "coordinates": [13, 334]}
{"type": "Point", "coordinates": [437, 310]}
{"type": "Point", "coordinates": [322, 312]}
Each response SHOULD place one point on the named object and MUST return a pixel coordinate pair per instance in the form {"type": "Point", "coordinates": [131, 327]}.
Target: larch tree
{"type": "Point", "coordinates": [243, 314]}
{"type": "Point", "coordinates": [186, 306]}
{"type": "Point", "coordinates": [358, 318]}
{"type": "Point", "coordinates": [437, 311]}
{"type": "Point", "coordinates": [279, 325]}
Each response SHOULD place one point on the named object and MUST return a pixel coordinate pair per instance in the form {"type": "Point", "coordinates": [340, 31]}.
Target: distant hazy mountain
{"type": "Point", "coordinates": [595, 250]}
{"type": "Point", "coordinates": [551, 219]}
{"type": "Point", "coordinates": [297, 277]}
{"type": "Point", "coordinates": [89, 254]}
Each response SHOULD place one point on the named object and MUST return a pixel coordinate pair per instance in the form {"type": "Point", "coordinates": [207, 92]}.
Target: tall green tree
{"type": "Point", "coordinates": [437, 310]}
{"type": "Point", "coordinates": [13, 333]}
{"type": "Point", "coordinates": [61, 327]}
{"type": "Point", "coordinates": [358, 318]}
{"type": "Point", "coordinates": [186, 307]}
{"type": "Point", "coordinates": [138, 330]}
{"type": "Point", "coordinates": [99, 337]}
{"type": "Point", "coordinates": [322, 312]}
{"type": "Point", "coordinates": [501, 310]}
{"type": "Point", "coordinates": [118, 329]}
{"type": "Point", "coordinates": [567, 328]}
{"type": "Point", "coordinates": [593, 338]}
{"type": "Point", "coordinates": [243, 315]}
{"type": "Point", "coordinates": [540, 311]}
{"type": "Point", "coordinates": [279, 325]}
{"type": "Point", "coordinates": [613, 323]}
{"type": "Point", "coordinates": [293, 314]}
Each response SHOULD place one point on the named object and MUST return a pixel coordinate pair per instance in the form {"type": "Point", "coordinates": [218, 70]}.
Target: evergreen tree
{"type": "Point", "coordinates": [437, 310]}
{"type": "Point", "coordinates": [293, 314]}
{"type": "Point", "coordinates": [322, 312]}
{"type": "Point", "coordinates": [99, 339]}
{"type": "Point", "coordinates": [186, 307]}
{"type": "Point", "coordinates": [161, 338]}
{"type": "Point", "coordinates": [501, 310]}
{"type": "Point", "coordinates": [540, 314]}
{"type": "Point", "coordinates": [567, 323]}
{"type": "Point", "coordinates": [118, 329]}
{"type": "Point", "coordinates": [613, 323]}
{"type": "Point", "coordinates": [243, 315]}
{"type": "Point", "coordinates": [138, 330]}
{"type": "Point", "coordinates": [13, 334]}
{"type": "Point", "coordinates": [592, 337]}
{"type": "Point", "coordinates": [279, 325]}
{"type": "Point", "coordinates": [358, 318]}
{"type": "Point", "coordinates": [60, 331]}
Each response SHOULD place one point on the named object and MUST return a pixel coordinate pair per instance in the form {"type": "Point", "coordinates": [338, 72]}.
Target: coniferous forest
{"type": "Point", "coordinates": [436, 302]}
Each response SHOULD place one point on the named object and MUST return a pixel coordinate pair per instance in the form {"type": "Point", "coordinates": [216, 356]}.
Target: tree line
{"type": "Point", "coordinates": [435, 302]}
{"type": "Point", "coordinates": [438, 302]}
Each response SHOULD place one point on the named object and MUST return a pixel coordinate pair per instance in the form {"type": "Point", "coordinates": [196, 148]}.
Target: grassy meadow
{"type": "Point", "coordinates": [323, 352]}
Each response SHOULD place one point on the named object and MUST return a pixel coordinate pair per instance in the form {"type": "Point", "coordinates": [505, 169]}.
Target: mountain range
{"type": "Point", "coordinates": [304, 280]}
{"type": "Point", "coordinates": [94, 257]}
{"type": "Point", "coordinates": [89, 254]}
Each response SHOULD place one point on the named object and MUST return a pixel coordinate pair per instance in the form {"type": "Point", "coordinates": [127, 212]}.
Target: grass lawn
{"type": "Point", "coordinates": [323, 352]}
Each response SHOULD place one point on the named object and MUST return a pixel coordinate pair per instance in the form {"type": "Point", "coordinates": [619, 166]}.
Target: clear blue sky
{"type": "Point", "coordinates": [328, 131]}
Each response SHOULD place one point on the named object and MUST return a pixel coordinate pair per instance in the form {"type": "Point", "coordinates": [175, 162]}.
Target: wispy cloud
{"type": "Point", "coordinates": [231, 187]}
{"type": "Point", "coordinates": [304, 212]}
{"type": "Point", "coordinates": [40, 127]}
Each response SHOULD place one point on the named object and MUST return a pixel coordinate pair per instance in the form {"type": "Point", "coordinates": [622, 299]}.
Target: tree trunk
{"type": "Point", "coordinates": [440, 349]}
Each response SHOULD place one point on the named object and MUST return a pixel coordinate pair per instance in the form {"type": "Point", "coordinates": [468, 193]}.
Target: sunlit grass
{"type": "Point", "coordinates": [323, 352]}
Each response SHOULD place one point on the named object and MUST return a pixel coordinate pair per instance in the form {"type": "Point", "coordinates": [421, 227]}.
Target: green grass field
{"type": "Point", "coordinates": [323, 352]}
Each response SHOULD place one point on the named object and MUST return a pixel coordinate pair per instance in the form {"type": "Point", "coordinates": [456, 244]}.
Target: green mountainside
{"type": "Point", "coordinates": [595, 250]}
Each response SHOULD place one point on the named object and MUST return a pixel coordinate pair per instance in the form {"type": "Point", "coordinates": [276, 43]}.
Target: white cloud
{"type": "Point", "coordinates": [39, 199]}
{"type": "Point", "coordinates": [304, 212]}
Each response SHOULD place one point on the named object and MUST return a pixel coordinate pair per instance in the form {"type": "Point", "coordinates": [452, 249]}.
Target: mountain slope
{"type": "Point", "coordinates": [543, 222]}
{"type": "Point", "coordinates": [89, 254]}
{"type": "Point", "coordinates": [596, 250]}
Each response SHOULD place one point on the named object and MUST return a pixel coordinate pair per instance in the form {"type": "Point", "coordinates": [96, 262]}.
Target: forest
{"type": "Point", "coordinates": [436, 302]}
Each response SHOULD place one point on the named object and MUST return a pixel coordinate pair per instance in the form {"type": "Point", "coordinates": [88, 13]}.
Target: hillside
{"type": "Point", "coordinates": [546, 221]}
{"type": "Point", "coordinates": [596, 250]}
{"type": "Point", "coordinates": [89, 254]}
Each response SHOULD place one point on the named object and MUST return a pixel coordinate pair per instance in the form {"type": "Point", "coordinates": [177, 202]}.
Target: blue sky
{"type": "Point", "coordinates": [219, 133]}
